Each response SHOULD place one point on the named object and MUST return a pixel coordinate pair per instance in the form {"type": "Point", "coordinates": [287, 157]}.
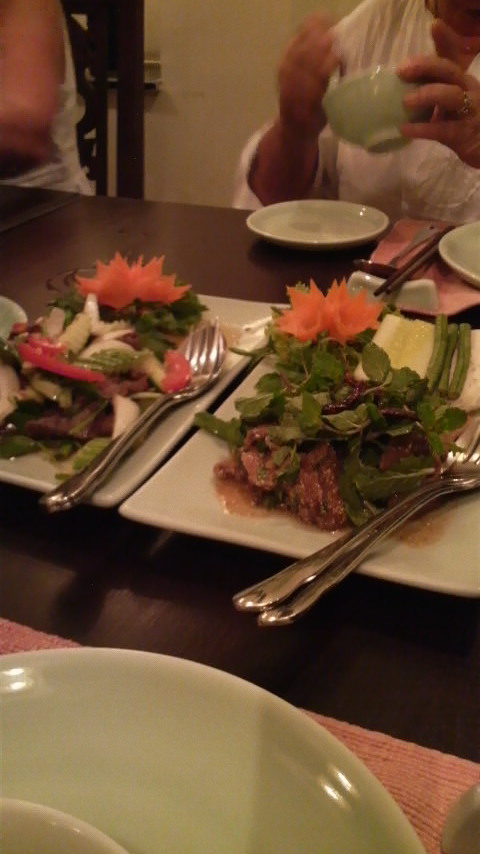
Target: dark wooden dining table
{"type": "Point", "coordinates": [388, 657]}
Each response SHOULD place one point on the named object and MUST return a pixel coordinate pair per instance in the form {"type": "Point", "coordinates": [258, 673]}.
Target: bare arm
{"type": "Point", "coordinates": [31, 69]}
{"type": "Point", "coordinates": [285, 164]}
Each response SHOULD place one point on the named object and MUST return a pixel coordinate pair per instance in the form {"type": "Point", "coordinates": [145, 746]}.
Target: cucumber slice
{"type": "Point", "coordinates": [408, 343]}
{"type": "Point", "coordinates": [51, 390]}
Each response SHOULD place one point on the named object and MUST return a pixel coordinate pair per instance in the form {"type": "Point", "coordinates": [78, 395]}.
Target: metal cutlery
{"type": "Point", "coordinates": [205, 349]}
{"type": "Point", "coordinates": [418, 260]}
{"type": "Point", "coordinates": [420, 237]}
{"type": "Point", "coordinates": [375, 268]}
{"type": "Point", "coordinates": [338, 569]}
{"type": "Point", "coordinates": [313, 575]}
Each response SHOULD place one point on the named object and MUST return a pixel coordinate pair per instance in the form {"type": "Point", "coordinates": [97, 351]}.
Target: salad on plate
{"type": "Point", "coordinates": [81, 374]}
{"type": "Point", "coordinates": [355, 406]}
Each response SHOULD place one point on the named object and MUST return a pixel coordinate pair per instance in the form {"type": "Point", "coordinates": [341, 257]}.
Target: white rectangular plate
{"type": "Point", "coordinates": [245, 321]}
{"type": "Point", "coordinates": [182, 497]}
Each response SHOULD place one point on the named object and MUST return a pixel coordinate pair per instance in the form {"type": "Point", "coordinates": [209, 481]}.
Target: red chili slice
{"type": "Point", "coordinates": [178, 373]}
{"type": "Point", "coordinates": [44, 345]}
{"type": "Point", "coordinates": [54, 365]}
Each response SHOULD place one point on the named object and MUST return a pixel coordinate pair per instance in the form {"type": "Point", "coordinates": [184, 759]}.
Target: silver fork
{"type": "Point", "coordinates": [460, 471]}
{"type": "Point", "coordinates": [205, 349]}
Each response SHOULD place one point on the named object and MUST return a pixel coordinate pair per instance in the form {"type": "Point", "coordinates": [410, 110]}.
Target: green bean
{"type": "Point", "coordinates": [463, 360]}
{"type": "Point", "coordinates": [451, 346]}
{"type": "Point", "coordinates": [437, 358]}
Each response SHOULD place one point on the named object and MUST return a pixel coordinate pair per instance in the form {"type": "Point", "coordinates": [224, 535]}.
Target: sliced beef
{"type": "Point", "coordinates": [399, 447]}
{"type": "Point", "coordinates": [57, 425]}
{"type": "Point", "coordinates": [124, 386]}
{"type": "Point", "coordinates": [314, 496]}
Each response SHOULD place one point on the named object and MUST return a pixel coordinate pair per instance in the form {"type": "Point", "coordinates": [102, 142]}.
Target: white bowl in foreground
{"type": "Point", "coordinates": [172, 757]}
{"type": "Point", "coordinates": [28, 828]}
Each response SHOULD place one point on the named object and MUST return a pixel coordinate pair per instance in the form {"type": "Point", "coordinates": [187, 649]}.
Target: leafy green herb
{"type": "Point", "coordinates": [228, 431]}
{"type": "Point", "coordinates": [16, 446]}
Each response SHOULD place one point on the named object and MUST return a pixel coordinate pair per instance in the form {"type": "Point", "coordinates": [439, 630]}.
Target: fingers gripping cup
{"type": "Point", "coordinates": [366, 109]}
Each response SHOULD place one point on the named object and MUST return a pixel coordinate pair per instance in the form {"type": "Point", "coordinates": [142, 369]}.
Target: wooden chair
{"type": "Point", "coordinates": [119, 23]}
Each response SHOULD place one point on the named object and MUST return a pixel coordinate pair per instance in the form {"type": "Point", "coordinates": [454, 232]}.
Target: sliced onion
{"type": "Point", "coordinates": [90, 308]}
{"type": "Point", "coordinates": [117, 333]}
{"type": "Point", "coordinates": [9, 386]}
{"type": "Point", "coordinates": [105, 344]}
{"type": "Point", "coordinates": [125, 413]}
{"type": "Point", "coordinates": [54, 323]}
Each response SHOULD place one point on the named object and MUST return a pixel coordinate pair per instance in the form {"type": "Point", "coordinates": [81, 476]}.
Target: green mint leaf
{"type": "Point", "coordinates": [349, 421]}
{"type": "Point", "coordinates": [450, 419]}
{"type": "Point", "coordinates": [261, 407]}
{"type": "Point", "coordinates": [375, 363]}
{"type": "Point", "coordinates": [228, 431]}
{"type": "Point", "coordinates": [270, 383]}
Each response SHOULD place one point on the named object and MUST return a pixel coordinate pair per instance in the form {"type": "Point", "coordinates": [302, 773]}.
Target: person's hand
{"type": "Point", "coordinates": [304, 71]}
{"type": "Point", "coordinates": [451, 93]}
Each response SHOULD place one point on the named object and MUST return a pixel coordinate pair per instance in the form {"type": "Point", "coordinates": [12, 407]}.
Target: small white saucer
{"type": "Point", "coordinates": [418, 296]}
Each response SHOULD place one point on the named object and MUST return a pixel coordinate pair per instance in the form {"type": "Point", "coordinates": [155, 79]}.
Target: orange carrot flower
{"type": "Point", "coordinates": [117, 284]}
{"type": "Point", "coordinates": [339, 313]}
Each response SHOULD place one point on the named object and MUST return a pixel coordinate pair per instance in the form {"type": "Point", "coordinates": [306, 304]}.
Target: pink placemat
{"type": "Point", "coordinates": [454, 294]}
{"type": "Point", "coordinates": [423, 782]}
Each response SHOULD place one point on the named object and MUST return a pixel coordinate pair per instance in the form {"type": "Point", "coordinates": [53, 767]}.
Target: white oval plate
{"type": "Point", "coordinates": [318, 223]}
{"type": "Point", "coordinates": [169, 756]}
{"type": "Point", "coordinates": [460, 249]}
{"type": "Point", "coordinates": [10, 313]}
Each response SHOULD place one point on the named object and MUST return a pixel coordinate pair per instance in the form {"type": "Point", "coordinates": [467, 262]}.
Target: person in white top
{"type": "Point", "coordinates": [436, 176]}
{"type": "Point", "coordinates": [38, 145]}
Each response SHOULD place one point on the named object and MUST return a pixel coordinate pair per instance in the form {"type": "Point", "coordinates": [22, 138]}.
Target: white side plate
{"type": "Point", "coordinates": [460, 249]}
{"type": "Point", "coordinates": [318, 224]}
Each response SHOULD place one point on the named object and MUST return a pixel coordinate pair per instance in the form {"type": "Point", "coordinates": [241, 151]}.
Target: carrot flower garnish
{"type": "Point", "coordinates": [341, 314]}
{"type": "Point", "coordinates": [117, 284]}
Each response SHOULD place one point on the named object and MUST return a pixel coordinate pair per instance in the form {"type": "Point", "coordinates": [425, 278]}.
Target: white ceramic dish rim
{"type": "Point", "coordinates": [448, 249]}
{"type": "Point", "coordinates": [323, 208]}
{"type": "Point", "coordinates": [448, 565]}
{"type": "Point", "coordinates": [150, 666]}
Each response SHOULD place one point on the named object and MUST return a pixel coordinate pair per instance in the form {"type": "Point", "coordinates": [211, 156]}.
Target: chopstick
{"type": "Point", "coordinates": [393, 282]}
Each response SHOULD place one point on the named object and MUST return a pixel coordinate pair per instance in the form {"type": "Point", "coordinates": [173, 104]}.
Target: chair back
{"type": "Point", "coordinates": [95, 26]}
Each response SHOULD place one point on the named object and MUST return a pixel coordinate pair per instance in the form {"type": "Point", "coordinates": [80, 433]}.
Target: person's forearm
{"type": "Point", "coordinates": [31, 69]}
{"type": "Point", "coordinates": [284, 167]}
{"type": "Point", "coordinates": [20, 149]}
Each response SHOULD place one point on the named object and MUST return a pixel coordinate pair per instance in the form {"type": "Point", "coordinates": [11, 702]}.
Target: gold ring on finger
{"type": "Point", "coordinates": [466, 109]}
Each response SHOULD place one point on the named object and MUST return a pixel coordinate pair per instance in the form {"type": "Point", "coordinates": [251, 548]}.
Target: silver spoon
{"type": "Point", "coordinates": [460, 476]}
{"type": "Point", "coordinates": [461, 830]}
{"type": "Point", "coordinates": [205, 350]}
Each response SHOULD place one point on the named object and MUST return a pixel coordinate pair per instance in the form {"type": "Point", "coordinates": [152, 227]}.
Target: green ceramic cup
{"type": "Point", "coordinates": [366, 109]}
